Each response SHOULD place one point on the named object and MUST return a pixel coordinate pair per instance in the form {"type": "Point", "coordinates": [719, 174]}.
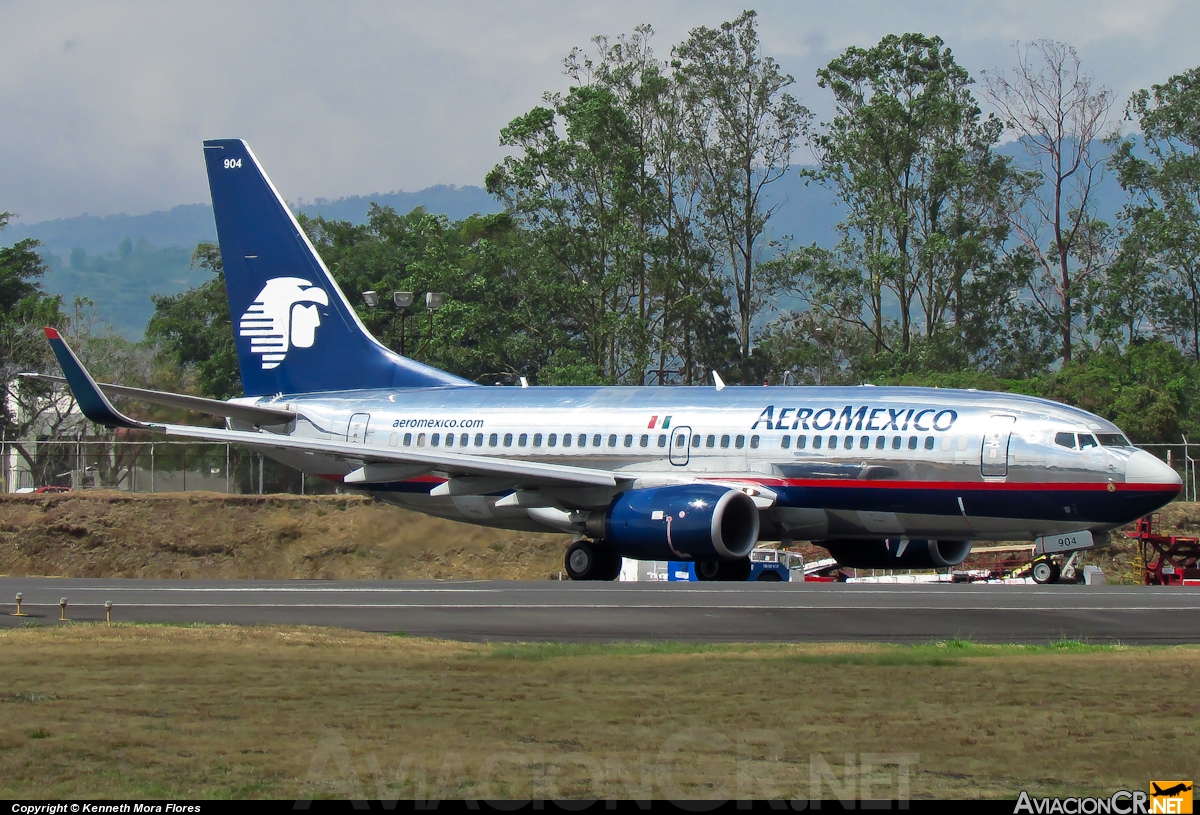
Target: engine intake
{"type": "Point", "coordinates": [897, 553]}
{"type": "Point", "coordinates": [680, 522]}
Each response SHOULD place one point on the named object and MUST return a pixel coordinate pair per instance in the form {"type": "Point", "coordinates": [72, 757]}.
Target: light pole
{"type": "Point", "coordinates": [433, 301]}
{"type": "Point", "coordinates": [403, 301]}
{"type": "Point", "coordinates": [820, 351]}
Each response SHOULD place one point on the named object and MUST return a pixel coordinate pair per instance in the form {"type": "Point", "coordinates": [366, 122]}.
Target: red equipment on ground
{"type": "Point", "coordinates": [1168, 560]}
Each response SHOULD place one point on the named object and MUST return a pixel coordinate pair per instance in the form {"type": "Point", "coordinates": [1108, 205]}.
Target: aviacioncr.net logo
{"type": "Point", "coordinates": [282, 317]}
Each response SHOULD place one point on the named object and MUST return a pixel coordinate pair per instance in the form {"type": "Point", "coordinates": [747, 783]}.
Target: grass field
{"type": "Point", "coordinates": [134, 710]}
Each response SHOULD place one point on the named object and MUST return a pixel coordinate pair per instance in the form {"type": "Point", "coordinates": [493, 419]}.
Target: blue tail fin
{"type": "Point", "coordinates": [294, 330]}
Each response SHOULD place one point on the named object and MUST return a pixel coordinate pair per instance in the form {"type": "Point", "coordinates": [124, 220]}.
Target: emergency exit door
{"type": "Point", "coordinates": [680, 446]}
{"type": "Point", "coordinates": [996, 436]}
{"type": "Point", "coordinates": [356, 430]}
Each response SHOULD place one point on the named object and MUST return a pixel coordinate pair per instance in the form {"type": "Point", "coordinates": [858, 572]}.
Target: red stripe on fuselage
{"type": "Point", "coordinates": [1004, 486]}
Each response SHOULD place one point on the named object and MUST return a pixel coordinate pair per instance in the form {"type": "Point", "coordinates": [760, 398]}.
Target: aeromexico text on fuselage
{"type": "Point", "coordinates": [850, 417]}
{"type": "Point", "coordinates": [856, 417]}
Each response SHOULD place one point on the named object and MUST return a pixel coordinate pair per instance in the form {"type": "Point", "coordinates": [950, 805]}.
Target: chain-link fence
{"type": "Point", "coordinates": [1181, 458]}
{"type": "Point", "coordinates": [150, 466]}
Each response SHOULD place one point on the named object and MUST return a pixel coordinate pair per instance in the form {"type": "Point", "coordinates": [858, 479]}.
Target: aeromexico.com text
{"type": "Point", "coordinates": [434, 423]}
{"type": "Point", "coordinates": [853, 417]}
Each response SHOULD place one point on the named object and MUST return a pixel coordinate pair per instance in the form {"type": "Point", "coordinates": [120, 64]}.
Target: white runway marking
{"type": "Point", "coordinates": [644, 606]}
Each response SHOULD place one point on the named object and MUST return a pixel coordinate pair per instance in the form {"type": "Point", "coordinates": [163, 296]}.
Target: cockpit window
{"type": "Point", "coordinates": [1113, 440]}
{"type": "Point", "coordinates": [1086, 441]}
{"type": "Point", "coordinates": [1065, 440]}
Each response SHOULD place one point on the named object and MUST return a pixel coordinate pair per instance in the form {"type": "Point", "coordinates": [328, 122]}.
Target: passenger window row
{"type": "Point", "coordinates": [596, 440]}
{"type": "Point", "coordinates": [866, 442]}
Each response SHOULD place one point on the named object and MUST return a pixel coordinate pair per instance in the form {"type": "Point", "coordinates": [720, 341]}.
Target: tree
{"type": "Point", "coordinates": [1161, 172]}
{"type": "Point", "coordinates": [744, 128]}
{"type": "Point", "coordinates": [194, 329]}
{"type": "Point", "coordinates": [577, 191]}
{"type": "Point", "coordinates": [1058, 113]}
{"type": "Point", "coordinates": [501, 318]}
{"type": "Point", "coordinates": [919, 269]}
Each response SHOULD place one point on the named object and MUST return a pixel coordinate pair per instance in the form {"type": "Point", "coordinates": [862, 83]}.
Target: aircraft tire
{"type": "Point", "coordinates": [610, 565]}
{"type": "Point", "coordinates": [707, 570]}
{"type": "Point", "coordinates": [1042, 572]}
{"type": "Point", "coordinates": [583, 561]}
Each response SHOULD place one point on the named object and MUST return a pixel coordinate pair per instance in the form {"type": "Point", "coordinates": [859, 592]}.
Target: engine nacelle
{"type": "Point", "coordinates": [898, 553]}
{"type": "Point", "coordinates": [679, 522]}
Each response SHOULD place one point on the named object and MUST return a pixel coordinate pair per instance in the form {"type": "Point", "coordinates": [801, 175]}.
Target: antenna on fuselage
{"type": "Point", "coordinates": [718, 381]}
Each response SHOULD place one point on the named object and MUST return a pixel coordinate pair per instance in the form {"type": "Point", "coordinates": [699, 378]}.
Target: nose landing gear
{"type": "Point", "coordinates": [1045, 570]}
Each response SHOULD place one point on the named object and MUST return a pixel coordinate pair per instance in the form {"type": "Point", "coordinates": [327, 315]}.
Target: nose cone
{"type": "Point", "coordinates": [1144, 468]}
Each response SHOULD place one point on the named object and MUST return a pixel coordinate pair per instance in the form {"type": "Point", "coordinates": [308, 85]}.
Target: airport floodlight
{"type": "Point", "coordinates": [402, 299]}
{"type": "Point", "coordinates": [434, 300]}
{"type": "Point", "coordinates": [371, 298]}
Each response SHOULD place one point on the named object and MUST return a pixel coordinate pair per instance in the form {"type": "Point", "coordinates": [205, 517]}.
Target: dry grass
{"type": "Point", "coordinates": [209, 535]}
{"type": "Point", "coordinates": [126, 711]}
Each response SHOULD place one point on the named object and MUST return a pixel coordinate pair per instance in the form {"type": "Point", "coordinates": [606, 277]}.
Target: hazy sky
{"type": "Point", "coordinates": [103, 105]}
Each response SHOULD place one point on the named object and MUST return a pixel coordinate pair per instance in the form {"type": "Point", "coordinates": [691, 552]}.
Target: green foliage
{"type": "Point", "coordinates": [24, 310]}
{"type": "Point", "coordinates": [194, 330]}
{"type": "Point", "coordinates": [503, 317]}
{"type": "Point", "coordinates": [1161, 247]}
{"type": "Point", "coordinates": [1151, 391]}
{"type": "Point", "coordinates": [920, 269]}
{"type": "Point", "coordinates": [743, 128]}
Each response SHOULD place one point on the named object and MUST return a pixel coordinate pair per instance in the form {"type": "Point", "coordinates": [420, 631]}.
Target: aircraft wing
{"type": "Point", "coordinates": [96, 406]}
{"type": "Point", "coordinates": [255, 414]}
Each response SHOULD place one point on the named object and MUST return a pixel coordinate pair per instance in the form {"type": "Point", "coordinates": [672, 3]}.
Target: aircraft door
{"type": "Point", "coordinates": [356, 430]}
{"type": "Point", "coordinates": [996, 435]}
{"type": "Point", "coordinates": [680, 448]}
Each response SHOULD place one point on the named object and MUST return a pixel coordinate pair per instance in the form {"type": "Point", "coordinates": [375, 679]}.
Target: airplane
{"type": "Point", "coordinates": [1172, 791]}
{"type": "Point", "coordinates": [882, 477]}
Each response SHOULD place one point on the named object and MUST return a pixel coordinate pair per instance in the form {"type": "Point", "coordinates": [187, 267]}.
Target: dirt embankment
{"type": "Point", "coordinates": [115, 534]}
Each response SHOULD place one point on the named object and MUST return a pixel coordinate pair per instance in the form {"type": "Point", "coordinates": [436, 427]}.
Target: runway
{"type": "Point", "coordinates": [564, 611]}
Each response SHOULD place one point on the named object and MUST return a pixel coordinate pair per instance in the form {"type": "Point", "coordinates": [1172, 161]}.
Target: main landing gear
{"type": "Point", "coordinates": [587, 560]}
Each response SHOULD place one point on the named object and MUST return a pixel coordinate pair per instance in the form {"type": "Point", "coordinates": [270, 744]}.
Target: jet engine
{"type": "Point", "coordinates": [679, 522]}
{"type": "Point", "coordinates": [898, 553]}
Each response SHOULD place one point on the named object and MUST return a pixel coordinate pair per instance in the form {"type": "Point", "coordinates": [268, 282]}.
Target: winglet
{"type": "Point", "coordinates": [91, 399]}
{"type": "Point", "coordinates": [718, 381]}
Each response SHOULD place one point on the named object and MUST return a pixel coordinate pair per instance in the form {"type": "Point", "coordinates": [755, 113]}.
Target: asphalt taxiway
{"type": "Point", "coordinates": [565, 611]}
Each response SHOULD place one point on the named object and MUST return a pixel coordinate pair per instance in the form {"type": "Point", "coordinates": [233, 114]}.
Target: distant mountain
{"type": "Point", "coordinates": [190, 224]}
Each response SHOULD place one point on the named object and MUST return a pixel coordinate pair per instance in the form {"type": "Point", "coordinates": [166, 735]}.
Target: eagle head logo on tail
{"type": "Point", "coordinates": [283, 315]}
